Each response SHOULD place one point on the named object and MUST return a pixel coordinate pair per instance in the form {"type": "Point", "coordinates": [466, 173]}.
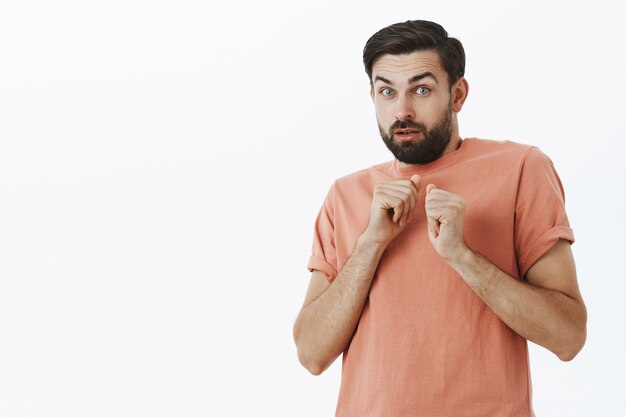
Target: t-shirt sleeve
{"type": "Point", "coordinates": [540, 217]}
{"type": "Point", "coordinates": [324, 254]}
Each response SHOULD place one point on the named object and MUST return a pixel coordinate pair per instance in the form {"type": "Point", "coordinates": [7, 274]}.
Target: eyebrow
{"type": "Point", "coordinates": [413, 79]}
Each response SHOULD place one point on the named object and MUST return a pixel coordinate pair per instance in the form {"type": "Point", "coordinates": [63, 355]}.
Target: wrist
{"type": "Point", "coordinates": [474, 269]}
{"type": "Point", "coordinates": [369, 243]}
{"type": "Point", "coordinates": [460, 258]}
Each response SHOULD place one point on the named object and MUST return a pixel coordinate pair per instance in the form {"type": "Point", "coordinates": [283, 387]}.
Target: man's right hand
{"type": "Point", "coordinates": [392, 208]}
{"type": "Point", "coordinates": [331, 312]}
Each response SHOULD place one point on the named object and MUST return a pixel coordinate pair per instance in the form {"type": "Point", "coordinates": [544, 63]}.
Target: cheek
{"type": "Point", "coordinates": [434, 113]}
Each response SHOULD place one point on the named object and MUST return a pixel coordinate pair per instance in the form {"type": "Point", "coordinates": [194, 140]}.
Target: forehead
{"type": "Point", "coordinates": [403, 67]}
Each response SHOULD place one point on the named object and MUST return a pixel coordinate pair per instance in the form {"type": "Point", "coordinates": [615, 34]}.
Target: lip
{"type": "Point", "coordinates": [406, 135]}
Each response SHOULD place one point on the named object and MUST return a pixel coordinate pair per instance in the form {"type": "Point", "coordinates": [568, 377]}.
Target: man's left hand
{"type": "Point", "coordinates": [445, 213]}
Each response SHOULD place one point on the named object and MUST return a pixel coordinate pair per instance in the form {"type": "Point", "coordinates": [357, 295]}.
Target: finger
{"type": "Point", "coordinates": [412, 188]}
{"type": "Point", "coordinates": [389, 199]}
{"type": "Point", "coordinates": [393, 194]}
{"type": "Point", "coordinates": [407, 189]}
{"type": "Point", "coordinates": [407, 186]}
{"type": "Point", "coordinates": [433, 227]}
{"type": "Point", "coordinates": [450, 206]}
{"type": "Point", "coordinates": [396, 192]}
{"type": "Point", "coordinates": [398, 209]}
{"type": "Point", "coordinates": [410, 199]}
{"type": "Point", "coordinates": [432, 203]}
{"type": "Point", "coordinates": [408, 209]}
{"type": "Point", "coordinates": [439, 193]}
{"type": "Point", "coordinates": [407, 192]}
{"type": "Point", "coordinates": [411, 202]}
{"type": "Point", "coordinates": [430, 187]}
{"type": "Point", "coordinates": [416, 181]}
{"type": "Point", "coordinates": [435, 216]}
{"type": "Point", "coordinates": [441, 197]}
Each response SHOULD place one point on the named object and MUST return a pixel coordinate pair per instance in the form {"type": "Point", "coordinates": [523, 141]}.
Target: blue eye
{"type": "Point", "coordinates": [422, 90]}
{"type": "Point", "coordinates": [387, 92]}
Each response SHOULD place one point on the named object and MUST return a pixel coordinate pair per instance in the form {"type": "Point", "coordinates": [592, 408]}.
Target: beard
{"type": "Point", "coordinates": [429, 148]}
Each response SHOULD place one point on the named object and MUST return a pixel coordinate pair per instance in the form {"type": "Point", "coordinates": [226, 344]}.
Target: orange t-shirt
{"type": "Point", "coordinates": [426, 344]}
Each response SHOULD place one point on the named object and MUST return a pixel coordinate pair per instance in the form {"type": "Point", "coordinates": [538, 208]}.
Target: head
{"type": "Point", "coordinates": [417, 85]}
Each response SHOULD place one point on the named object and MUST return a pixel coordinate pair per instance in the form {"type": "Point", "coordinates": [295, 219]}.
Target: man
{"type": "Point", "coordinates": [431, 271]}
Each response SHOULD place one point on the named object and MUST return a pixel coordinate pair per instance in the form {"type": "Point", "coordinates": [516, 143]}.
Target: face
{"type": "Point", "coordinates": [414, 106]}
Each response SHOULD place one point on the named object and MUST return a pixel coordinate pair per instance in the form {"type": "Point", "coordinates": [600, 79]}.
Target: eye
{"type": "Point", "coordinates": [386, 92]}
{"type": "Point", "coordinates": [422, 90]}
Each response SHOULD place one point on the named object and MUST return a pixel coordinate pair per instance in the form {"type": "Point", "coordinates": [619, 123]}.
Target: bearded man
{"type": "Point", "coordinates": [430, 272]}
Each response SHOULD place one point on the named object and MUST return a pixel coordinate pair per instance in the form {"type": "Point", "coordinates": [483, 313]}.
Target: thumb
{"type": "Point", "coordinates": [433, 224]}
{"type": "Point", "coordinates": [416, 180]}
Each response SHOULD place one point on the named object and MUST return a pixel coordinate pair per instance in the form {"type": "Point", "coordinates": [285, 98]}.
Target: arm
{"type": "Point", "coordinates": [331, 311]}
{"type": "Point", "coordinates": [546, 309]}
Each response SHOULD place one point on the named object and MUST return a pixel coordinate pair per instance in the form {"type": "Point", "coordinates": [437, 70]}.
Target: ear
{"type": "Point", "coordinates": [371, 91]}
{"type": "Point", "coordinates": [459, 92]}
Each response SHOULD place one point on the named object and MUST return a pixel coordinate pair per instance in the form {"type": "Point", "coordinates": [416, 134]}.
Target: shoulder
{"type": "Point", "coordinates": [514, 154]}
{"type": "Point", "coordinates": [365, 177]}
{"type": "Point", "coordinates": [502, 148]}
{"type": "Point", "coordinates": [356, 187]}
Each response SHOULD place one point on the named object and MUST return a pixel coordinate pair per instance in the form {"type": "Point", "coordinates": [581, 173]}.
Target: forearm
{"type": "Point", "coordinates": [325, 326]}
{"type": "Point", "coordinates": [544, 316]}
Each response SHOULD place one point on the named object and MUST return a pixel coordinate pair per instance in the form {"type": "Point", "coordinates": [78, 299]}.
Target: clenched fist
{"type": "Point", "coordinates": [392, 207]}
{"type": "Point", "coordinates": [445, 214]}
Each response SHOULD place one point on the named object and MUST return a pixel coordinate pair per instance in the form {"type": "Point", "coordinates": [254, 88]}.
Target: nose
{"type": "Point", "coordinates": [404, 109]}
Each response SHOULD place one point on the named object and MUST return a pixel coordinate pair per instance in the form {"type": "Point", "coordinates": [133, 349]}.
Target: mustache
{"type": "Point", "coordinates": [406, 124]}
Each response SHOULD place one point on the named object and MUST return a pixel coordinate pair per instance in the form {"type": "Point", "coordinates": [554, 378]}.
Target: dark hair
{"type": "Point", "coordinates": [416, 35]}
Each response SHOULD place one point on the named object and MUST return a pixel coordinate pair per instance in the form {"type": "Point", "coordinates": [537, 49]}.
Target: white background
{"type": "Point", "coordinates": [162, 164]}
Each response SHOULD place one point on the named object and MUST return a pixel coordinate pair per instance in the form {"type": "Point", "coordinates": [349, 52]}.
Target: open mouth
{"type": "Point", "coordinates": [405, 131]}
{"type": "Point", "coordinates": [406, 134]}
